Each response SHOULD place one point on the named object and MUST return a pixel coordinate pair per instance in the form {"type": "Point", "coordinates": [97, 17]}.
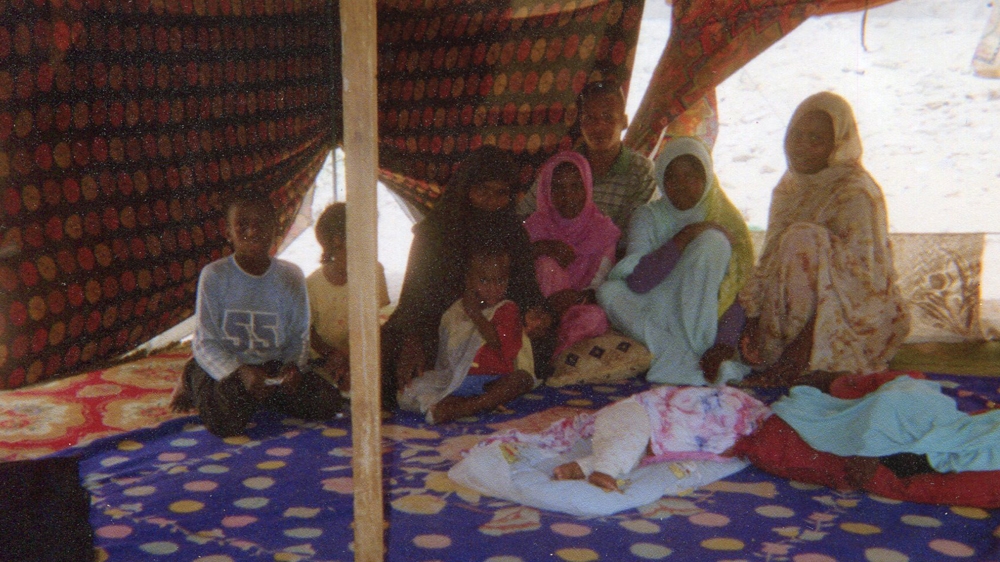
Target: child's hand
{"type": "Point", "coordinates": [536, 322]}
{"type": "Point", "coordinates": [473, 308]}
{"type": "Point", "coordinates": [254, 379]}
{"type": "Point", "coordinates": [291, 378]}
{"type": "Point", "coordinates": [472, 304]}
{"type": "Point", "coordinates": [563, 253]}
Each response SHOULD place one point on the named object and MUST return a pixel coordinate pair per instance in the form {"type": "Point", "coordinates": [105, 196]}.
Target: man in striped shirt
{"type": "Point", "coordinates": [623, 178]}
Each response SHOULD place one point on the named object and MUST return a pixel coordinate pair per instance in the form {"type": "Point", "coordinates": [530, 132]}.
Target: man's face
{"type": "Point", "coordinates": [602, 120]}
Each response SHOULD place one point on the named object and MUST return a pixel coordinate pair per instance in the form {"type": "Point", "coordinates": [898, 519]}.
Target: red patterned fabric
{"type": "Point", "coordinates": [123, 124]}
{"type": "Point", "coordinates": [51, 416]}
{"type": "Point", "coordinates": [457, 75]}
{"type": "Point", "coordinates": [709, 41]}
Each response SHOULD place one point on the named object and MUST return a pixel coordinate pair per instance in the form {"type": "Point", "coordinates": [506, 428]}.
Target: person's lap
{"type": "Point", "coordinates": [678, 319]}
{"type": "Point", "coordinates": [226, 407]}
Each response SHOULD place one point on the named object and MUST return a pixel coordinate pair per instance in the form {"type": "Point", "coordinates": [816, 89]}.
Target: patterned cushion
{"type": "Point", "coordinates": [606, 358]}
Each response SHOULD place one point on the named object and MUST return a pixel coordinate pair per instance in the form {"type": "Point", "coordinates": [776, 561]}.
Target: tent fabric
{"type": "Point", "coordinates": [480, 72]}
{"type": "Point", "coordinates": [986, 60]}
{"type": "Point", "coordinates": [123, 126]}
{"type": "Point", "coordinates": [709, 41]}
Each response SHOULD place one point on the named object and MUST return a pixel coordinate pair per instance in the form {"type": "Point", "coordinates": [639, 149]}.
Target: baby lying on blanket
{"type": "Point", "coordinates": [661, 424]}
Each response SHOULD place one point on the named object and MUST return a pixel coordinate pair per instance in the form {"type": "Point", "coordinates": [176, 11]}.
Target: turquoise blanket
{"type": "Point", "coordinates": [905, 415]}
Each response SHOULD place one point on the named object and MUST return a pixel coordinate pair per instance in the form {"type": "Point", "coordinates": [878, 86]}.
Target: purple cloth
{"type": "Point", "coordinates": [655, 266]}
{"type": "Point", "coordinates": [731, 325]}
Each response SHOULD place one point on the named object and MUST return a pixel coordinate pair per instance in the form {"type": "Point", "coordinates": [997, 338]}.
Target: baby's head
{"type": "Point", "coordinates": [251, 224]}
{"type": "Point", "coordinates": [331, 233]}
{"type": "Point", "coordinates": [488, 274]}
{"type": "Point", "coordinates": [602, 115]}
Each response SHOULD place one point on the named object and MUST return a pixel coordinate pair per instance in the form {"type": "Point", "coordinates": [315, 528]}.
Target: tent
{"type": "Point", "coordinates": [124, 123]}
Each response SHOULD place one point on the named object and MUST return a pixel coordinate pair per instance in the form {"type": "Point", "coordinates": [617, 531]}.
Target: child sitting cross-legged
{"type": "Point", "coordinates": [484, 359]}
{"type": "Point", "coordinates": [251, 336]}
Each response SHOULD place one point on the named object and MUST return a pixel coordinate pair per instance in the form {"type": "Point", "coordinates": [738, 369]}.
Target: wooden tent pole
{"type": "Point", "coordinates": [357, 20]}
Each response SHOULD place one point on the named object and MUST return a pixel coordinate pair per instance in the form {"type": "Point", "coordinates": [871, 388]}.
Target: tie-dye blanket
{"type": "Point", "coordinates": [284, 492]}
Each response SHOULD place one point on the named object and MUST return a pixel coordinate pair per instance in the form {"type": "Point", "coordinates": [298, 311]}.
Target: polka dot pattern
{"type": "Point", "coordinates": [650, 551]}
{"type": "Point", "coordinates": [123, 125]}
{"type": "Point", "coordinates": [151, 509]}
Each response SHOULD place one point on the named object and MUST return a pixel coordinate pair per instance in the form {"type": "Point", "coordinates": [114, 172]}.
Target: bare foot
{"type": "Point", "coordinates": [180, 398]}
{"type": "Point", "coordinates": [712, 359]}
{"type": "Point", "coordinates": [860, 471]}
{"type": "Point", "coordinates": [568, 471]}
{"type": "Point", "coordinates": [749, 344]}
{"type": "Point", "coordinates": [604, 481]}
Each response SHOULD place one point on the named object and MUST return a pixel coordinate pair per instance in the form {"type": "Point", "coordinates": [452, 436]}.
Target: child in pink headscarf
{"type": "Point", "coordinates": [573, 246]}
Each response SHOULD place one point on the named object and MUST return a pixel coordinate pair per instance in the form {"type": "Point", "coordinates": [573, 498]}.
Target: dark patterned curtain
{"type": "Point", "coordinates": [123, 124]}
{"type": "Point", "coordinates": [455, 75]}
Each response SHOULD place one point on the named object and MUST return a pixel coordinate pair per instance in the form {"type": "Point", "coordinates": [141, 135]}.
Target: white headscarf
{"type": "Point", "coordinates": [672, 219]}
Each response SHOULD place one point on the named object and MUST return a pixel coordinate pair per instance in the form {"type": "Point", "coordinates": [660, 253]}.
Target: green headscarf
{"type": "Point", "coordinates": [713, 206]}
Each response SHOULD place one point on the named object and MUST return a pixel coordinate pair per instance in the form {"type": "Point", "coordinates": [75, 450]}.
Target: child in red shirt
{"type": "Point", "coordinates": [484, 359]}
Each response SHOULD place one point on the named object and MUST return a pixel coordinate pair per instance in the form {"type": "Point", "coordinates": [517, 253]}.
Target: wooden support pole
{"type": "Point", "coordinates": [357, 20]}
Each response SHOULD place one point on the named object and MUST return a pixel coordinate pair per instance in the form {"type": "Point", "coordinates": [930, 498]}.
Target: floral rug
{"type": "Point", "coordinates": [41, 419]}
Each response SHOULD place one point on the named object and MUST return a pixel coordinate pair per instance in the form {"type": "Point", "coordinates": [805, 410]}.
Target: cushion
{"type": "Point", "coordinates": [606, 358]}
{"type": "Point", "coordinates": [521, 472]}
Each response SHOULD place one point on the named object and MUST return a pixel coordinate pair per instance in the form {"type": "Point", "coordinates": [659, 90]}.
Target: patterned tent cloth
{"type": "Point", "coordinates": [455, 76]}
{"type": "Point", "coordinates": [123, 125]}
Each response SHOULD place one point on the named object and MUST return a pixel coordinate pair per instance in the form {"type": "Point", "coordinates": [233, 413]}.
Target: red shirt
{"type": "Point", "coordinates": [507, 321]}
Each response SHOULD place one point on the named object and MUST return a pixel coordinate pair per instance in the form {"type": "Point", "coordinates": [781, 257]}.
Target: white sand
{"type": "Point", "coordinates": [931, 128]}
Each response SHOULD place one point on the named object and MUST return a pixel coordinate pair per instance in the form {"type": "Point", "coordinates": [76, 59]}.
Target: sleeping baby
{"type": "Point", "coordinates": [665, 423]}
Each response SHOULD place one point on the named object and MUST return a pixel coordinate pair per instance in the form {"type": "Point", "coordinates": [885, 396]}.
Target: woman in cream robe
{"type": "Point", "coordinates": [823, 296]}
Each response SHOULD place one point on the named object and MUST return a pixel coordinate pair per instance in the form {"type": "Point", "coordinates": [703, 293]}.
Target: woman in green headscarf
{"type": "Point", "coordinates": [688, 255]}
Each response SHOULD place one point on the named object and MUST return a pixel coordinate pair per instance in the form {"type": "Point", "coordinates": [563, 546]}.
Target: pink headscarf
{"type": "Point", "coordinates": [591, 234]}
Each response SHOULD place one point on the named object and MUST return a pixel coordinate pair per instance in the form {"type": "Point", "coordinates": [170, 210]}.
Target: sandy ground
{"type": "Point", "coordinates": [931, 128]}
